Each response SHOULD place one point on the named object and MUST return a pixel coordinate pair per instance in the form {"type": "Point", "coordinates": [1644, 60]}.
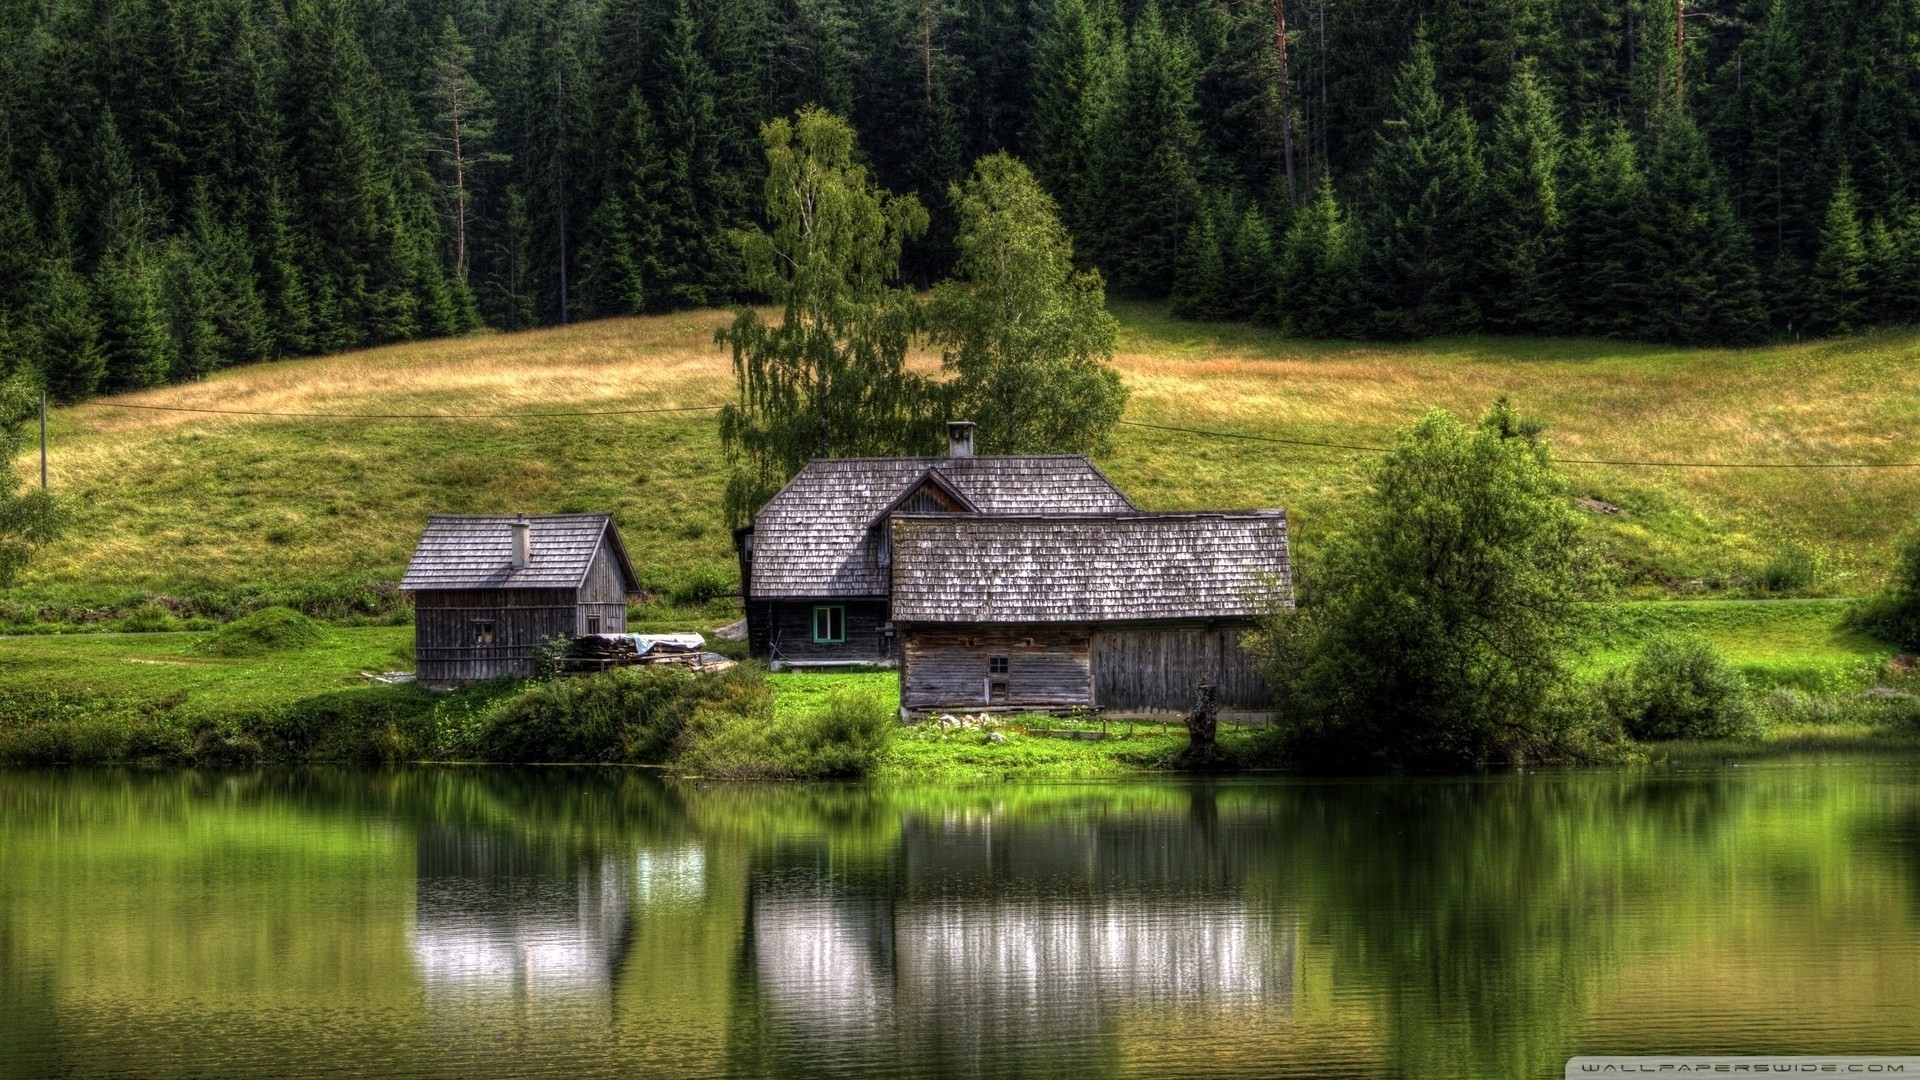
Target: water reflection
{"type": "Point", "coordinates": [574, 924]}
{"type": "Point", "coordinates": [498, 914]}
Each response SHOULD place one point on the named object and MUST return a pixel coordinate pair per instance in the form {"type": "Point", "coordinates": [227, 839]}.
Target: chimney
{"type": "Point", "coordinates": [522, 542]}
{"type": "Point", "coordinates": [959, 438]}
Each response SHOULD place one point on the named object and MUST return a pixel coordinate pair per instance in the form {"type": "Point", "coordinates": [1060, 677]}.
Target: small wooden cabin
{"type": "Point", "coordinates": [1128, 613]}
{"type": "Point", "coordinates": [488, 590]}
{"type": "Point", "coordinates": [814, 564]}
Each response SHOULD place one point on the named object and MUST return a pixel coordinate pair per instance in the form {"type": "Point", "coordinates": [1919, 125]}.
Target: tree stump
{"type": "Point", "coordinates": [1203, 723]}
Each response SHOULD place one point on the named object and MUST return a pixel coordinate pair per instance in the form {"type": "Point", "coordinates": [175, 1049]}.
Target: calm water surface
{"type": "Point", "coordinates": [579, 924]}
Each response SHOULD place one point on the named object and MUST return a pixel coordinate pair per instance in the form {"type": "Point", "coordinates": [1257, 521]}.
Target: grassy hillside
{"type": "Point", "coordinates": [185, 504]}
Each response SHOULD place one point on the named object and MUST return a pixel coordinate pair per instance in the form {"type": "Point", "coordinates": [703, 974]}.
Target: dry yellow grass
{"type": "Point", "coordinates": [177, 502]}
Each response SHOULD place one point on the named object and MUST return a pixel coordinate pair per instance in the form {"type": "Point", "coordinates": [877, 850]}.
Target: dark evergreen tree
{"type": "Point", "coordinates": [1317, 293]}
{"type": "Point", "coordinates": [62, 333]}
{"type": "Point", "coordinates": [1424, 205]}
{"type": "Point", "coordinates": [137, 349]}
{"type": "Point", "coordinates": [1524, 238]}
{"type": "Point", "coordinates": [1839, 285]}
{"type": "Point", "coordinates": [1149, 170]}
{"type": "Point", "coordinates": [622, 263]}
{"type": "Point", "coordinates": [1252, 267]}
{"type": "Point", "coordinates": [1073, 72]}
{"type": "Point", "coordinates": [1609, 253]}
{"type": "Point", "coordinates": [1201, 289]}
{"type": "Point", "coordinates": [1702, 287]}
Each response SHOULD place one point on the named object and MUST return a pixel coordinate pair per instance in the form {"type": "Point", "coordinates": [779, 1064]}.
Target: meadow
{"type": "Point", "coordinates": [219, 512]}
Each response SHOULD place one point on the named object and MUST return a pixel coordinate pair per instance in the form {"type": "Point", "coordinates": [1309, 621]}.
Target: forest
{"type": "Point", "coordinates": [190, 184]}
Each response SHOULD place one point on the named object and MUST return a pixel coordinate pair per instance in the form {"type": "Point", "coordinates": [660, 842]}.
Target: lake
{"type": "Point", "coordinates": [503, 923]}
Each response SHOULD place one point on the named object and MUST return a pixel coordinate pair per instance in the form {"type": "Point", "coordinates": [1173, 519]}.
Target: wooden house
{"type": "Point", "coordinates": [488, 590]}
{"type": "Point", "coordinates": [814, 566]}
{"type": "Point", "coordinates": [1128, 613]}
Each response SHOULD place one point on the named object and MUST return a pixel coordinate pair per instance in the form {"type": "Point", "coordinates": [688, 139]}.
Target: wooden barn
{"type": "Point", "coordinates": [1128, 613]}
{"type": "Point", "coordinates": [488, 590]}
{"type": "Point", "coordinates": [814, 566]}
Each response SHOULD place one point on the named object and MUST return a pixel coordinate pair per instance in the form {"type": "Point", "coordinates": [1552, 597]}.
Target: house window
{"type": "Point", "coordinates": [593, 624]}
{"type": "Point", "coordinates": [483, 631]}
{"type": "Point", "coordinates": [829, 624]}
{"type": "Point", "coordinates": [996, 665]}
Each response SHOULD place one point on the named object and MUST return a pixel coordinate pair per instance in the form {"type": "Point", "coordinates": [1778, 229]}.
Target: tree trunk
{"type": "Point", "coordinates": [1202, 751]}
{"type": "Point", "coordinates": [1286, 95]}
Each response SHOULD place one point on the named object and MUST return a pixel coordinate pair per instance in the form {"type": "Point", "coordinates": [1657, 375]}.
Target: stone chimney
{"type": "Point", "coordinates": [959, 438]}
{"type": "Point", "coordinates": [522, 542]}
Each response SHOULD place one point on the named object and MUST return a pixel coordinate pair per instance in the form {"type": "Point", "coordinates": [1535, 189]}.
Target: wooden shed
{"type": "Point", "coordinates": [1128, 613]}
{"type": "Point", "coordinates": [488, 590]}
{"type": "Point", "coordinates": [814, 564]}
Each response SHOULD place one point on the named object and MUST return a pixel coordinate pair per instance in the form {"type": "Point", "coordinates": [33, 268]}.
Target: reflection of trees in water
{"type": "Point", "coordinates": [1477, 916]}
{"type": "Point", "coordinates": [999, 946]}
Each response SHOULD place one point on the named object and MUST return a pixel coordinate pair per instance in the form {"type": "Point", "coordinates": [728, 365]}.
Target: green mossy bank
{"type": "Point", "coordinates": [169, 699]}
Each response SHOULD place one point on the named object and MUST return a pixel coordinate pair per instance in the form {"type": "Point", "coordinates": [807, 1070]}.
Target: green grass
{"type": "Point", "coordinates": [1796, 643]}
{"type": "Point", "coordinates": [152, 667]}
{"type": "Point", "coordinates": [225, 513]}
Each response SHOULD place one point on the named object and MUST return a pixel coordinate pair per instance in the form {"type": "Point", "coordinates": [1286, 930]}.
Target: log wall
{"type": "Point", "coordinates": [443, 634]}
{"type": "Point", "coordinates": [789, 625]}
{"type": "Point", "coordinates": [604, 594]}
{"type": "Point", "coordinates": [947, 667]}
{"type": "Point", "coordinates": [1161, 667]}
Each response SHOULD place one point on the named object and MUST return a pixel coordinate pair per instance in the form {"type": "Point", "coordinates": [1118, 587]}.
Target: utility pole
{"type": "Point", "coordinates": [43, 438]}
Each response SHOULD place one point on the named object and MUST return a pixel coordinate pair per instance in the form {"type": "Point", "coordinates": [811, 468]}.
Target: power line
{"type": "Point", "coordinates": [1559, 460]}
{"type": "Point", "coordinates": [410, 416]}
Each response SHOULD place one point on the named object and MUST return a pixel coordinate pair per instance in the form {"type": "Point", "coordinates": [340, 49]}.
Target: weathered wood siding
{"type": "Point", "coordinates": [444, 647]}
{"type": "Point", "coordinates": [604, 594]}
{"type": "Point", "coordinates": [791, 627]}
{"type": "Point", "coordinates": [1160, 667]}
{"type": "Point", "coordinates": [947, 667]}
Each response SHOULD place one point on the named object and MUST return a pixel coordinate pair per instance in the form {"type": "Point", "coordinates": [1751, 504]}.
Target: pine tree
{"type": "Point", "coordinates": [1424, 197]}
{"type": "Point", "coordinates": [1316, 296]}
{"type": "Point", "coordinates": [1073, 71]}
{"type": "Point", "coordinates": [461, 135]}
{"type": "Point", "coordinates": [137, 350]}
{"type": "Point", "coordinates": [1200, 286]}
{"type": "Point", "coordinates": [1524, 223]}
{"type": "Point", "coordinates": [1252, 270]}
{"type": "Point", "coordinates": [621, 265]}
{"type": "Point", "coordinates": [1839, 285]}
{"type": "Point", "coordinates": [1702, 287]}
{"type": "Point", "coordinates": [698, 199]}
{"type": "Point", "coordinates": [1609, 254]}
{"type": "Point", "coordinates": [62, 333]}
{"type": "Point", "coordinates": [1773, 141]}
{"type": "Point", "coordinates": [1149, 150]}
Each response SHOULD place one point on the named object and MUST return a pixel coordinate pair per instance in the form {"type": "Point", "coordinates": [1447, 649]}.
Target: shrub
{"type": "Point", "coordinates": [149, 618]}
{"type": "Point", "coordinates": [269, 630]}
{"type": "Point", "coordinates": [843, 739]}
{"type": "Point", "coordinates": [700, 586]}
{"type": "Point", "coordinates": [624, 715]}
{"type": "Point", "coordinates": [1792, 569]}
{"type": "Point", "coordinates": [1896, 615]}
{"type": "Point", "coordinates": [1680, 688]}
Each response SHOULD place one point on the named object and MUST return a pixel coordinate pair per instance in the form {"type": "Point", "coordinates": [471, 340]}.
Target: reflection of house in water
{"type": "Point", "coordinates": [497, 915]}
{"type": "Point", "coordinates": [989, 941]}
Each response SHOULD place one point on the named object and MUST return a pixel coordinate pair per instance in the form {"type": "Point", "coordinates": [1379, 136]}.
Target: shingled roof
{"type": "Point", "coordinates": [812, 539]}
{"type": "Point", "coordinates": [1115, 568]}
{"type": "Point", "coordinates": [476, 552]}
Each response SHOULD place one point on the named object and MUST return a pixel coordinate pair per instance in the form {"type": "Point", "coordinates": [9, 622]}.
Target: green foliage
{"type": "Point", "coordinates": [1148, 174]}
{"type": "Point", "coordinates": [1026, 339]}
{"type": "Point", "coordinates": [1441, 625]}
{"type": "Point", "coordinates": [831, 379]}
{"type": "Point", "coordinates": [629, 715]}
{"type": "Point", "coordinates": [844, 738]}
{"type": "Point", "coordinates": [1840, 270]}
{"type": "Point", "coordinates": [28, 520]}
{"type": "Point", "coordinates": [1680, 688]}
{"type": "Point", "coordinates": [1895, 616]}
{"type": "Point", "coordinates": [1318, 270]}
{"type": "Point", "coordinates": [269, 630]}
{"type": "Point", "coordinates": [150, 618]}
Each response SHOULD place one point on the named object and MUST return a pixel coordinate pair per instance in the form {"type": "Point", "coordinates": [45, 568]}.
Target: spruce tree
{"type": "Point", "coordinates": [1524, 223]}
{"type": "Point", "coordinates": [1424, 192]}
{"type": "Point", "coordinates": [622, 262]}
{"type": "Point", "coordinates": [1074, 64]}
{"type": "Point", "coordinates": [1149, 172]}
{"type": "Point", "coordinates": [137, 349]}
{"type": "Point", "coordinates": [1609, 253]}
{"type": "Point", "coordinates": [1316, 297]}
{"type": "Point", "coordinates": [1200, 285]}
{"type": "Point", "coordinates": [62, 334]}
{"type": "Point", "coordinates": [1252, 269]}
{"type": "Point", "coordinates": [698, 200]}
{"type": "Point", "coordinates": [1839, 286]}
{"type": "Point", "coordinates": [1702, 287]}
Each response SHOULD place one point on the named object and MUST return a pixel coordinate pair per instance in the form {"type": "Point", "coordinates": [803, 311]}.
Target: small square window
{"type": "Point", "coordinates": [483, 632]}
{"type": "Point", "coordinates": [996, 665]}
{"type": "Point", "coordinates": [829, 625]}
{"type": "Point", "coordinates": [593, 624]}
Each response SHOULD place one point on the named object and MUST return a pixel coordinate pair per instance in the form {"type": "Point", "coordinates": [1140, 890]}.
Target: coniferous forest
{"type": "Point", "coordinates": [188, 184]}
